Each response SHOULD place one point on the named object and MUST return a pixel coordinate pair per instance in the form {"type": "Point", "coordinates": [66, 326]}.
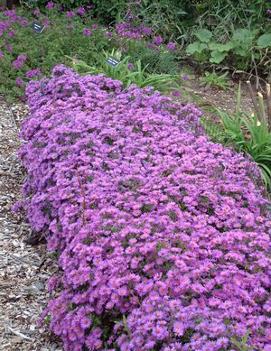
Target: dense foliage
{"type": "Point", "coordinates": [247, 133]}
{"type": "Point", "coordinates": [159, 34]}
{"type": "Point", "coordinates": [26, 55]}
{"type": "Point", "coordinates": [163, 237]}
{"type": "Point", "coordinates": [235, 33]}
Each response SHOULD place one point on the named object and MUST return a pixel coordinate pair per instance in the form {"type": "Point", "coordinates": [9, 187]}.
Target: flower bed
{"type": "Point", "coordinates": [163, 237]}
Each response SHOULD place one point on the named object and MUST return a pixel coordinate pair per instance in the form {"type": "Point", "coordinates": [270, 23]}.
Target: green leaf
{"type": "Point", "coordinates": [264, 40]}
{"type": "Point", "coordinates": [217, 56]}
{"type": "Point", "coordinates": [221, 47]}
{"type": "Point", "coordinates": [242, 41]}
{"type": "Point", "coordinates": [243, 35]}
{"type": "Point", "coordinates": [204, 35]}
{"type": "Point", "coordinates": [196, 47]}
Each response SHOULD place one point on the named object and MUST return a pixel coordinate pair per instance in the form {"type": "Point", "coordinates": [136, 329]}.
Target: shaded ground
{"type": "Point", "coordinates": [211, 97]}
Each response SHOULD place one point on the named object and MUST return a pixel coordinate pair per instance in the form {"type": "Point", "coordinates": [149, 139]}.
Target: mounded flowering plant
{"type": "Point", "coordinates": [163, 237]}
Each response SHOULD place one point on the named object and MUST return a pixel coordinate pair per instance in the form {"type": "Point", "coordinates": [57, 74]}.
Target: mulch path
{"type": "Point", "coordinates": [24, 269]}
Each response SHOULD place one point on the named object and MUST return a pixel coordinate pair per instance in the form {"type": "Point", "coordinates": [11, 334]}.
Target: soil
{"type": "Point", "coordinates": [209, 98]}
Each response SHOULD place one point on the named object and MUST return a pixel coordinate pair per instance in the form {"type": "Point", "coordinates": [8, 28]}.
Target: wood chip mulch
{"type": "Point", "coordinates": [24, 269]}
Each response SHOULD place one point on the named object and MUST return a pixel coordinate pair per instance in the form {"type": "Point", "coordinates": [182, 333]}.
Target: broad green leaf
{"type": "Point", "coordinates": [204, 35]}
{"type": "Point", "coordinates": [243, 35]}
{"type": "Point", "coordinates": [217, 56]}
{"type": "Point", "coordinates": [196, 47]}
{"type": "Point", "coordinates": [264, 41]}
{"type": "Point", "coordinates": [242, 41]}
{"type": "Point", "coordinates": [221, 47]}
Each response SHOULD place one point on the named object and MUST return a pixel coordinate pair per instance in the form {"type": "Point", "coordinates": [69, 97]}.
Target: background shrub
{"type": "Point", "coordinates": [62, 36]}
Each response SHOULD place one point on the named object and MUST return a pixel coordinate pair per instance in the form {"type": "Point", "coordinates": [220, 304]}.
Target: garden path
{"type": "Point", "coordinates": [24, 269]}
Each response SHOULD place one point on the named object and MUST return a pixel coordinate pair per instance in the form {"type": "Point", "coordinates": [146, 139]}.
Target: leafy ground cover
{"type": "Point", "coordinates": [75, 35]}
{"type": "Point", "coordinates": [161, 44]}
{"type": "Point", "coordinates": [163, 237]}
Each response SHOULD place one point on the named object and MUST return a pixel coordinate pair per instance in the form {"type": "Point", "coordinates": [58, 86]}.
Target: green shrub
{"type": "Point", "coordinates": [109, 11]}
{"type": "Point", "coordinates": [248, 133]}
{"type": "Point", "coordinates": [127, 72]}
{"type": "Point", "coordinates": [66, 4]}
{"type": "Point", "coordinates": [212, 79]}
{"type": "Point", "coordinates": [158, 60]}
{"type": "Point", "coordinates": [251, 136]}
{"type": "Point", "coordinates": [44, 50]}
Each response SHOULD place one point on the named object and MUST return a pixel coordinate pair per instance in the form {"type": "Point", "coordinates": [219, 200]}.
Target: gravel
{"type": "Point", "coordinates": [24, 269]}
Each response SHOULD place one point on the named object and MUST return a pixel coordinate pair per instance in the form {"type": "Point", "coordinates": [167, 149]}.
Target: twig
{"type": "Point", "coordinates": [268, 100]}
{"type": "Point", "coordinates": [19, 334]}
{"type": "Point", "coordinates": [261, 107]}
{"type": "Point", "coordinates": [256, 73]}
{"type": "Point", "coordinates": [254, 101]}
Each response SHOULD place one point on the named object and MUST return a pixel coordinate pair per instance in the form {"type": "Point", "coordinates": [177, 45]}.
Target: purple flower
{"type": "Point", "coordinates": [50, 5]}
{"type": "Point", "coordinates": [70, 14]}
{"type": "Point", "coordinates": [126, 30]}
{"type": "Point", "coordinates": [185, 77]}
{"type": "Point", "coordinates": [11, 33]}
{"type": "Point", "coordinates": [109, 34]}
{"type": "Point", "coordinates": [9, 48]}
{"type": "Point", "coordinates": [130, 66]}
{"type": "Point", "coordinates": [46, 22]}
{"type": "Point", "coordinates": [146, 31]}
{"type": "Point", "coordinates": [176, 93]}
{"type": "Point", "coordinates": [171, 46]}
{"type": "Point", "coordinates": [20, 82]}
{"type": "Point", "coordinates": [10, 13]}
{"type": "Point", "coordinates": [94, 26]}
{"type": "Point", "coordinates": [33, 73]}
{"type": "Point", "coordinates": [36, 12]}
{"type": "Point", "coordinates": [178, 328]}
{"type": "Point", "coordinates": [81, 11]}
{"type": "Point", "coordinates": [87, 32]}
{"type": "Point", "coordinates": [1, 54]}
{"type": "Point", "coordinates": [158, 40]}
{"type": "Point", "coordinates": [23, 22]}
{"type": "Point", "coordinates": [19, 62]}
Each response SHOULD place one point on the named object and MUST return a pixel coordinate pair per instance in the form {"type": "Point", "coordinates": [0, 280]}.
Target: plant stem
{"type": "Point", "coordinates": [261, 107]}
{"type": "Point", "coordinates": [268, 97]}
{"type": "Point", "coordinates": [254, 101]}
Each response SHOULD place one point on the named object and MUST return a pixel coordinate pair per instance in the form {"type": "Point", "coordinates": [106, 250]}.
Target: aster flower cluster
{"type": "Point", "coordinates": [19, 62]}
{"type": "Point", "coordinates": [33, 73]}
{"type": "Point", "coordinates": [163, 236]}
{"type": "Point", "coordinates": [9, 18]}
{"type": "Point", "coordinates": [131, 31]}
{"type": "Point", "coordinates": [7, 32]}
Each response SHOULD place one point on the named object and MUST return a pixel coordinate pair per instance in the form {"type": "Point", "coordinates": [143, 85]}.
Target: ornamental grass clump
{"type": "Point", "coordinates": [163, 237]}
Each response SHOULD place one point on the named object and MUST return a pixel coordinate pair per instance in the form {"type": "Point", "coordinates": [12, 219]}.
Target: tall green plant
{"type": "Point", "coordinates": [249, 134]}
{"type": "Point", "coordinates": [127, 72]}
